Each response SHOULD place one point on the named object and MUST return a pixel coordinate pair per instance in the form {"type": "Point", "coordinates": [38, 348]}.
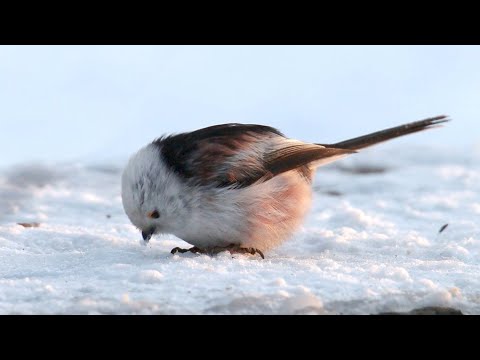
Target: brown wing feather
{"type": "Point", "coordinates": [210, 156]}
{"type": "Point", "coordinates": [295, 156]}
{"type": "Point", "coordinates": [240, 155]}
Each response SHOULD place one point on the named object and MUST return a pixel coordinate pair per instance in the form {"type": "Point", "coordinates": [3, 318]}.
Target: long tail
{"type": "Point", "coordinates": [384, 135]}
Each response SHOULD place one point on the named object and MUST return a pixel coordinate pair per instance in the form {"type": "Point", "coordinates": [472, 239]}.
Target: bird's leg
{"type": "Point", "coordinates": [232, 248]}
{"type": "Point", "coordinates": [252, 251]}
{"type": "Point", "coordinates": [235, 249]}
{"type": "Point", "coordinates": [194, 250]}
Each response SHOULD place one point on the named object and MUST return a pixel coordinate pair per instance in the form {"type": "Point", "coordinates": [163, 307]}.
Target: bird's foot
{"type": "Point", "coordinates": [194, 250]}
{"type": "Point", "coordinates": [233, 249]}
{"type": "Point", "coordinates": [236, 249]}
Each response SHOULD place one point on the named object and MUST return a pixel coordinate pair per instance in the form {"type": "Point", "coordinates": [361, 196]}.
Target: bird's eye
{"type": "Point", "coordinates": [153, 214]}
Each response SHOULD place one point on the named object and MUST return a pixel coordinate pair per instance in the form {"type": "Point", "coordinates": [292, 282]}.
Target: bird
{"type": "Point", "coordinates": [242, 188]}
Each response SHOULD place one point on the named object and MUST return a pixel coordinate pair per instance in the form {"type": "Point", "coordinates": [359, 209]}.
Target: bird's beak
{"type": "Point", "coordinates": [147, 234]}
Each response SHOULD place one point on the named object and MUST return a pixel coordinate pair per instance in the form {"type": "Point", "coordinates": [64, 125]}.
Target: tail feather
{"type": "Point", "coordinates": [384, 135]}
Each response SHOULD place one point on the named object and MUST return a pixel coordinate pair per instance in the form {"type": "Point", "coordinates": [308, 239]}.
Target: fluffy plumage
{"type": "Point", "coordinates": [239, 184]}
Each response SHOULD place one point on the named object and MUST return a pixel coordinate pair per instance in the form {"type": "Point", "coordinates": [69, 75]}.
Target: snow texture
{"type": "Point", "coordinates": [370, 244]}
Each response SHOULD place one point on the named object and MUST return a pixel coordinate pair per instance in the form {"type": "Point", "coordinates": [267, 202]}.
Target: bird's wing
{"type": "Point", "coordinates": [292, 154]}
{"type": "Point", "coordinates": [239, 155]}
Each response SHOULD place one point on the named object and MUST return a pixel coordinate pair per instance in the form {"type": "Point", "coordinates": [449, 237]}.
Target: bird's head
{"type": "Point", "coordinates": [149, 190]}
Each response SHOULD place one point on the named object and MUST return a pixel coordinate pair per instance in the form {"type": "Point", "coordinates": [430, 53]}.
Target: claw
{"type": "Point", "coordinates": [254, 251]}
{"type": "Point", "coordinates": [194, 250]}
{"type": "Point", "coordinates": [237, 249]}
{"type": "Point", "coordinates": [180, 250]}
{"type": "Point", "coordinates": [233, 248]}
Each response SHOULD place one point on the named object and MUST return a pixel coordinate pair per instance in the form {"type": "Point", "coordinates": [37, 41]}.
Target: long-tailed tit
{"type": "Point", "coordinates": [237, 187]}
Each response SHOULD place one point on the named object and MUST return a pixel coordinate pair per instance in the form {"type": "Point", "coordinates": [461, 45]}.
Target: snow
{"type": "Point", "coordinates": [370, 244]}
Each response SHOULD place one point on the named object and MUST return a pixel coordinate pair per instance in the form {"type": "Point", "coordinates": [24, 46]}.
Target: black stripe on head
{"type": "Point", "coordinates": [175, 150]}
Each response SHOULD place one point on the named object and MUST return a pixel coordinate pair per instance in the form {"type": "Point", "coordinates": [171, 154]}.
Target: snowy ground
{"type": "Point", "coordinates": [371, 244]}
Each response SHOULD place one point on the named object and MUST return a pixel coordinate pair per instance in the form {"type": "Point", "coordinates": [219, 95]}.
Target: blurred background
{"type": "Point", "coordinates": [96, 103]}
